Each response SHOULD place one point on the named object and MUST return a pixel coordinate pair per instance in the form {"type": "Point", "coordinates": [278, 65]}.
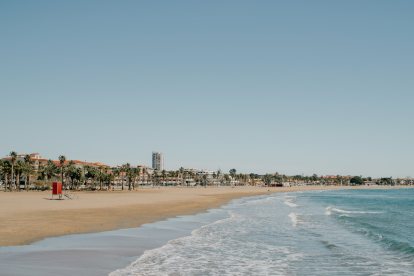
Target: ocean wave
{"type": "Point", "coordinates": [330, 210]}
{"type": "Point", "coordinates": [255, 240]}
{"type": "Point", "coordinates": [389, 243]}
{"type": "Point", "coordinates": [220, 248]}
{"type": "Point", "coordinates": [294, 217]}
{"type": "Point", "coordinates": [290, 203]}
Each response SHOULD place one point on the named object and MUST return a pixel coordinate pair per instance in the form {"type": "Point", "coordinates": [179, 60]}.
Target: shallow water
{"type": "Point", "coordinates": [97, 253]}
{"type": "Point", "coordinates": [347, 232]}
{"type": "Point", "coordinates": [334, 232]}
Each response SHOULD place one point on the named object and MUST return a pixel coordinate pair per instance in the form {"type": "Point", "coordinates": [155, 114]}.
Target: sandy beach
{"type": "Point", "coordinates": [27, 217]}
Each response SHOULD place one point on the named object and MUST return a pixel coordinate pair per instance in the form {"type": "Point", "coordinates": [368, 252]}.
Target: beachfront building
{"type": "Point", "coordinates": [35, 157]}
{"type": "Point", "coordinates": [80, 164]}
{"type": "Point", "coordinates": [158, 160]}
{"type": "Point", "coordinates": [37, 161]}
{"type": "Point", "coordinates": [148, 169]}
{"type": "Point", "coordinates": [209, 173]}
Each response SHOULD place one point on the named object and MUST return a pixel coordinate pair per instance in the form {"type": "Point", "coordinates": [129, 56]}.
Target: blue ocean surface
{"type": "Point", "coordinates": [330, 232]}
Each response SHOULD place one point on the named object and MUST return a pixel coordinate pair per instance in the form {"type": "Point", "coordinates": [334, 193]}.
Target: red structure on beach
{"type": "Point", "coordinates": [57, 189]}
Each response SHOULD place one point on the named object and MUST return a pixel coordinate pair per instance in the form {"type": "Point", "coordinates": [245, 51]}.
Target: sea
{"type": "Point", "coordinates": [329, 232]}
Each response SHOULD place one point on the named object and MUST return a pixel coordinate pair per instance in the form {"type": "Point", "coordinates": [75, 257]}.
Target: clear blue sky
{"type": "Point", "coordinates": [293, 87]}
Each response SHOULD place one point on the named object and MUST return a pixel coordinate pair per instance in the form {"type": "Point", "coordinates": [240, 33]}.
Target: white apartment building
{"type": "Point", "coordinates": [209, 173]}
{"type": "Point", "coordinates": [158, 160]}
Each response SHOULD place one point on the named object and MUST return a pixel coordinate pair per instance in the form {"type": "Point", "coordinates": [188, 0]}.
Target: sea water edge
{"type": "Point", "coordinates": [344, 232]}
{"type": "Point", "coordinates": [102, 252]}
{"type": "Point", "coordinates": [289, 242]}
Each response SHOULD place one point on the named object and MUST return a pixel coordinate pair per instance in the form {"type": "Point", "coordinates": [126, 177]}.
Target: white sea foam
{"type": "Point", "coordinates": [290, 203]}
{"type": "Point", "coordinates": [215, 249]}
{"type": "Point", "coordinates": [294, 217]}
{"type": "Point", "coordinates": [330, 210]}
{"type": "Point", "coordinates": [258, 239]}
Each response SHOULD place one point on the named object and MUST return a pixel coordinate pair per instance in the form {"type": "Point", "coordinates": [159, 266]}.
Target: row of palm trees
{"type": "Point", "coordinates": [73, 177]}
{"type": "Point", "coordinates": [13, 170]}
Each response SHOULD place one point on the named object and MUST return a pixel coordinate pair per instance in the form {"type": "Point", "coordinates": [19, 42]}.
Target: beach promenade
{"type": "Point", "coordinates": [26, 217]}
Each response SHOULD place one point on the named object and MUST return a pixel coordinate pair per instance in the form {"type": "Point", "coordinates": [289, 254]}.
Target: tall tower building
{"type": "Point", "coordinates": [158, 160]}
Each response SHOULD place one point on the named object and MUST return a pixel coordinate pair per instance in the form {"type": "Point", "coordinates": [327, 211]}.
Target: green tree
{"type": "Point", "coordinates": [62, 160]}
{"type": "Point", "coordinates": [155, 176]}
{"type": "Point", "coordinates": [182, 176]}
{"type": "Point", "coordinates": [116, 172]}
{"type": "Point", "coordinates": [125, 169]}
{"type": "Point", "coordinates": [145, 172]}
{"type": "Point", "coordinates": [13, 156]}
{"type": "Point", "coordinates": [357, 180]}
{"type": "Point", "coordinates": [232, 173]}
{"type": "Point", "coordinates": [92, 174]}
{"type": "Point", "coordinates": [137, 173]}
{"type": "Point", "coordinates": [268, 179]}
{"type": "Point", "coordinates": [163, 173]}
{"type": "Point", "coordinates": [101, 177]}
{"type": "Point", "coordinates": [6, 171]}
{"type": "Point", "coordinates": [227, 178]}
{"type": "Point", "coordinates": [29, 170]}
{"type": "Point", "coordinates": [69, 168]}
{"type": "Point", "coordinates": [19, 168]}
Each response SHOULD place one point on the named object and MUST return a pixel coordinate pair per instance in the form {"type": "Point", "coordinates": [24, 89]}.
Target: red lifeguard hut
{"type": "Point", "coordinates": [57, 189]}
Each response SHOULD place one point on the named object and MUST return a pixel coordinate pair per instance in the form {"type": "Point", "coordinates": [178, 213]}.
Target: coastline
{"type": "Point", "coordinates": [27, 217]}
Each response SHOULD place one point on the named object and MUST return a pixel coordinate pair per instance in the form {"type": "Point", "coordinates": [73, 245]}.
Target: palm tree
{"type": "Point", "coordinates": [29, 172]}
{"type": "Point", "coordinates": [85, 169]}
{"type": "Point", "coordinates": [62, 160]}
{"type": "Point", "coordinates": [218, 175]}
{"type": "Point", "coordinates": [163, 173]}
{"type": "Point", "coordinates": [108, 173]}
{"type": "Point", "coordinates": [233, 173]}
{"type": "Point", "coordinates": [101, 178]}
{"type": "Point", "coordinates": [6, 168]}
{"type": "Point", "coordinates": [182, 175]}
{"type": "Point", "coordinates": [226, 177]}
{"type": "Point", "coordinates": [111, 177]}
{"type": "Point", "coordinates": [70, 168]}
{"type": "Point", "coordinates": [2, 171]}
{"type": "Point", "coordinates": [28, 160]}
{"type": "Point", "coordinates": [125, 168]}
{"type": "Point", "coordinates": [155, 175]}
{"type": "Point", "coordinates": [130, 175]}
{"type": "Point", "coordinates": [137, 172]}
{"type": "Point", "coordinates": [92, 173]}
{"type": "Point", "coordinates": [144, 171]}
{"type": "Point", "coordinates": [19, 168]}
{"type": "Point", "coordinates": [184, 178]}
{"type": "Point", "coordinates": [13, 156]}
{"type": "Point", "coordinates": [51, 169]}
{"type": "Point", "coordinates": [116, 173]}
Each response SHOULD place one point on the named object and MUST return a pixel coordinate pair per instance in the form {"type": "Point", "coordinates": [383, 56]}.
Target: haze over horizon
{"type": "Point", "coordinates": [272, 86]}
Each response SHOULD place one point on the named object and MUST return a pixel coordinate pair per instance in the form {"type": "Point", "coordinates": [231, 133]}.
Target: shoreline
{"type": "Point", "coordinates": [27, 217]}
